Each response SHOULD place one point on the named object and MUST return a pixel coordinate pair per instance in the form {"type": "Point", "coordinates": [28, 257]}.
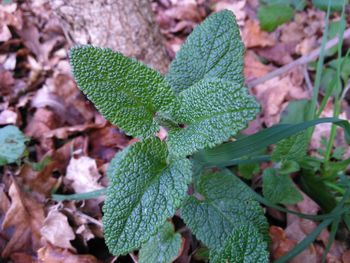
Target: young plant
{"type": "Point", "coordinates": [201, 102]}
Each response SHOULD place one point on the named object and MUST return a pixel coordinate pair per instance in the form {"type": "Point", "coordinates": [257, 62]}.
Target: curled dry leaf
{"type": "Point", "coordinates": [58, 255]}
{"type": "Point", "coordinates": [57, 230]}
{"type": "Point", "coordinates": [84, 174]}
{"type": "Point", "coordinates": [26, 216]}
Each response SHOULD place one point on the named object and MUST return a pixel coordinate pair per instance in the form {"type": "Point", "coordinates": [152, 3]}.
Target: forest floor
{"type": "Point", "coordinates": [38, 94]}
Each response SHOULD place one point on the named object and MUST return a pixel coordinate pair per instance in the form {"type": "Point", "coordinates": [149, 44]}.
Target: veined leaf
{"type": "Point", "coordinates": [125, 91]}
{"type": "Point", "coordinates": [243, 246]}
{"type": "Point", "coordinates": [213, 49]}
{"type": "Point", "coordinates": [12, 144]}
{"type": "Point", "coordinates": [212, 111]}
{"type": "Point", "coordinates": [164, 247]}
{"type": "Point", "coordinates": [294, 147]}
{"type": "Point", "coordinates": [280, 189]}
{"type": "Point", "coordinates": [226, 217]}
{"type": "Point", "coordinates": [143, 191]}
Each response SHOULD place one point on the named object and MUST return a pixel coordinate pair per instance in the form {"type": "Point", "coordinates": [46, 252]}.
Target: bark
{"type": "Point", "coordinates": [127, 26]}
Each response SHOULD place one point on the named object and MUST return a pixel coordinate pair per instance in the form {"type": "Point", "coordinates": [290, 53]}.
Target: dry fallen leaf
{"type": "Point", "coordinates": [280, 244]}
{"type": "Point", "coordinates": [58, 255]}
{"type": "Point", "coordinates": [84, 174]}
{"type": "Point", "coordinates": [253, 68]}
{"type": "Point", "coordinates": [274, 95]}
{"type": "Point", "coordinates": [237, 7]}
{"type": "Point", "coordinates": [253, 36]}
{"type": "Point", "coordinates": [26, 216]}
{"type": "Point", "coordinates": [57, 231]}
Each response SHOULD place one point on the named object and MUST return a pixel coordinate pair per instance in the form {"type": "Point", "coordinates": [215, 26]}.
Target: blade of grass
{"type": "Point", "coordinates": [81, 196]}
{"type": "Point", "coordinates": [331, 238]}
{"type": "Point", "coordinates": [314, 234]}
{"type": "Point", "coordinates": [247, 146]}
{"type": "Point", "coordinates": [319, 69]}
{"type": "Point", "coordinates": [268, 203]}
{"type": "Point", "coordinates": [337, 102]}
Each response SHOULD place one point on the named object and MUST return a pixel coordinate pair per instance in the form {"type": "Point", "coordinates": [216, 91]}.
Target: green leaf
{"type": "Point", "coordinates": [214, 49]}
{"type": "Point", "coordinates": [164, 247]}
{"type": "Point", "coordinates": [143, 191]}
{"type": "Point", "coordinates": [243, 245]}
{"type": "Point", "coordinates": [293, 147]}
{"type": "Point", "coordinates": [125, 91]}
{"type": "Point", "coordinates": [271, 16]}
{"type": "Point", "coordinates": [288, 167]}
{"type": "Point", "coordinates": [280, 189]}
{"type": "Point", "coordinates": [316, 188]}
{"type": "Point", "coordinates": [227, 216]}
{"type": "Point", "coordinates": [248, 170]}
{"type": "Point", "coordinates": [212, 110]}
{"type": "Point", "coordinates": [12, 144]}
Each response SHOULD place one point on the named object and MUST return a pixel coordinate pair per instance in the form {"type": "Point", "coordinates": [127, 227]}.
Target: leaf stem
{"type": "Point", "coordinates": [81, 196]}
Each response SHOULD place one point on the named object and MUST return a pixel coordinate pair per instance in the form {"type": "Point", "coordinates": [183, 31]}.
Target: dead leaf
{"type": "Point", "coordinates": [253, 36]}
{"type": "Point", "coordinates": [274, 95]}
{"type": "Point", "coordinates": [281, 245]}
{"type": "Point", "coordinates": [237, 7]}
{"type": "Point", "coordinates": [8, 117]}
{"type": "Point", "coordinates": [281, 53]}
{"type": "Point", "coordinates": [58, 255]}
{"type": "Point", "coordinates": [26, 215]}
{"type": "Point", "coordinates": [57, 231]}
{"type": "Point", "coordinates": [84, 174]}
{"type": "Point", "coordinates": [41, 182]}
{"type": "Point", "coordinates": [253, 68]}
{"type": "Point", "coordinates": [42, 122]}
{"type": "Point", "coordinates": [19, 257]}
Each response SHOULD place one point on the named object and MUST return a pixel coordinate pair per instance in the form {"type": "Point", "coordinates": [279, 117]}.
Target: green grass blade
{"type": "Point", "coordinates": [331, 238]}
{"type": "Point", "coordinates": [81, 196]}
{"type": "Point", "coordinates": [305, 242]}
{"type": "Point", "coordinates": [225, 154]}
{"type": "Point", "coordinates": [319, 70]}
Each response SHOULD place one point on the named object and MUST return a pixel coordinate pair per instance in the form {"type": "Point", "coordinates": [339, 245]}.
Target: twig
{"type": "Point", "coordinates": [346, 89]}
{"type": "Point", "coordinates": [88, 218]}
{"type": "Point", "coordinates": [307, 80]}
{"type": "Point", "coordinates": [300, 61]}
{"type": "Point", "coordinates": [134, 257]}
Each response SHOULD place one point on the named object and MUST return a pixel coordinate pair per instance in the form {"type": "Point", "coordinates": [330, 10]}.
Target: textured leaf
{"type": "Point", "coordinates": [164, 247]}
{"type": "Point", "coordinates": [294, 147]}
{"type": "Point", "coordinates": [242, 246]}
{"type": "Point", "coordinates": [291, 148]}
{"type": "Point", "coordinates": [212, 111]}
{"type": "Point", "coordinates": [280, 189]}
{"type": "Point", "coordinates": [143, 191]}
{"type": "Point", "coordinates": [126, 92]}
{"type": "Point", "coordinates": [12, 144]}
{"type": "Point", "coordinates": [228, 209]}
{"type": "Point", "coordinates": [271, 16]}
{"type": "Point", "coordinates": [213, 49]}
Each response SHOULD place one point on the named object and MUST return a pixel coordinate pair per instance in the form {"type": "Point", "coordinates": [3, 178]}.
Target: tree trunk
{"type": "Point", "coordinates": [126, 26]}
